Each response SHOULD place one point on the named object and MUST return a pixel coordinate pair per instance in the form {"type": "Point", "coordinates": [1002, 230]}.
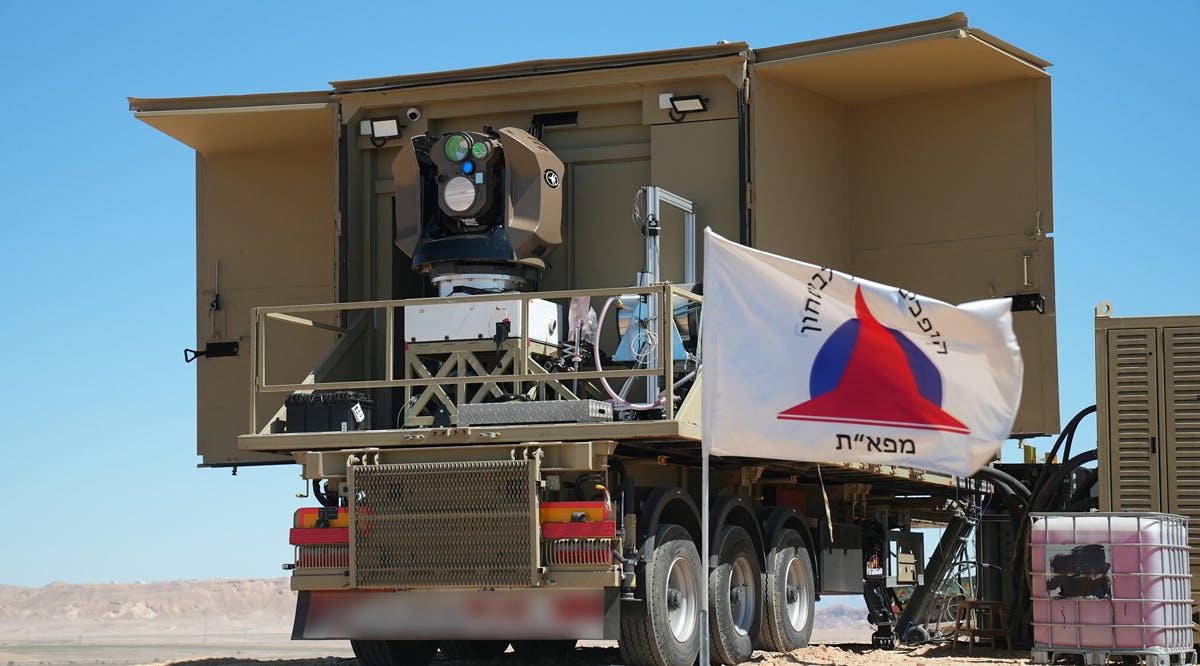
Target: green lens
{"type": "Point", "coordinates": [457, 147]}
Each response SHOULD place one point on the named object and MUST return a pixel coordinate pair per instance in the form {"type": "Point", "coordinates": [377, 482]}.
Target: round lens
{"type": "Point", "coordinates": [458, 194]}
{"type": "Point", "coordinates": [479, 150]}
{"type": "Point", "coordinates": [457, 147]}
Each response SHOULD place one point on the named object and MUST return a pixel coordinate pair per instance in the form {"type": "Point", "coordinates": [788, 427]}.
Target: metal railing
{"type": "Point", "coordinates": [662, 365]}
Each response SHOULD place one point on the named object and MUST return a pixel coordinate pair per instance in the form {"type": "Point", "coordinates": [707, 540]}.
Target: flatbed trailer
{"type": "Point", "coordinates": [457, 507]}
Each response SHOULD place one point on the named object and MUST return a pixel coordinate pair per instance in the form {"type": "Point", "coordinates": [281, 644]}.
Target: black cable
{"type": "Point", "coordinates": [1040, 499]}
{"type": "Point", "coordinates": [1016, 495]}
{"type": "Point", "coordinates": [1000, 477]}
{"type": "Point", "coordinates": [1067, 433]}
{"type": "Point", "coordinates": [1041, 482]}
{"type": "Point", "coordinates": [1071, 437]}
{"type": "Point", "coordinates": [1014, 504]}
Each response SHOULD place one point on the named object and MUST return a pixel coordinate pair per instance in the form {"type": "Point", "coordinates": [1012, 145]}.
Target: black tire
{"type": "Point", "coordinates": [394, 653]}
{"type": "Point", "coordinates": [915, 635]}
{"type": "Point", "coordinates": [734, 594]}
{"type": "Point", "coordinates": [664, 629]}
{"type": "Point", "coordinates": [473, 650]}
{"type": "Point", "coordinates": [544, 647]}
{"type": "Point", "coordinates": [790, 594]}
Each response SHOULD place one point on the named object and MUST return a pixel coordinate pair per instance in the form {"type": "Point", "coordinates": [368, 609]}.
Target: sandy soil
{"type": "Point", "coordinates": [278, 650]}
{"type": "Point", "coordinates": [816, 655]}
{"type": "Point", "coordinates": [243, 623]}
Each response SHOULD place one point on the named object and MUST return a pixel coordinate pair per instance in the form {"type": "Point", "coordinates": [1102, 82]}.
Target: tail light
{"type": "Point", "coordinates": [321, 536]}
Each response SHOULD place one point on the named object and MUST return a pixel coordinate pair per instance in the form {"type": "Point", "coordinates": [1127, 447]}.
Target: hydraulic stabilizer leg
{"type": "Point", "coordinates": [879, 613]}
{"type": "Point", "coordinates": [954, 540]}
{"type": "Point", "coordinates": [875, 591]}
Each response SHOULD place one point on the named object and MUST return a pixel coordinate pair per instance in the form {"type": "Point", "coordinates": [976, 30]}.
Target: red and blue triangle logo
{"type": "Point", "coordinates": [868, 374]}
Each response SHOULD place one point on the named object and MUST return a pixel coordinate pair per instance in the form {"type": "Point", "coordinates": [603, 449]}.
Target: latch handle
{"type": "Point", "coordinates": [212, 350]}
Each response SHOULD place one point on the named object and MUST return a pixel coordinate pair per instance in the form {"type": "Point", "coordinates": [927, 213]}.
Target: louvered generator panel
{"type": "Point", "coordinates": [1148, 418]}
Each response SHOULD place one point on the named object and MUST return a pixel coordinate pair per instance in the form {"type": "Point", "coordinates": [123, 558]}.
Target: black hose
{"type": "Point", "coordinates": [1071, 437]}
{"type": "Point", "coordinates": [1067, 446]}
{"type": "Point", "coordinates": [1002, 478]}
{"type": "Point", "coordinates": [1041, 500]}
{"type": "Point", "coordinates": [1008, 487]}
{"type": "Point", "coordinates": [1067, 435]}
{"type": "Point", "coordinates": [1038, 503]}
{"type": "Point", "coordinates": [1012, 503]}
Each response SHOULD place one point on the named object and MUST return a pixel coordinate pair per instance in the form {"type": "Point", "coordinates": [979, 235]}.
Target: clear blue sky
{"type": "Point", "coordinates": [96, 405]}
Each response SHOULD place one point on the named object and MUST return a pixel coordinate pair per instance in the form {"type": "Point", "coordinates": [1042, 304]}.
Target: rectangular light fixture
{"type": "Point", "coordinates": [385, 128]}
{"type": "Point", "coordinates": [689, 103]}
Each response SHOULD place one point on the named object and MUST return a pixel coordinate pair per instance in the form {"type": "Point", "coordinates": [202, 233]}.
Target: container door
{"type": "Point", "coordinates": [1181, 450]}
{"type": "Point", "coordinates": [266, 234]}
{"type": "Point", "coordinates": [1134, 480]}
{"type": "Point", "coordinates": [917, 156]}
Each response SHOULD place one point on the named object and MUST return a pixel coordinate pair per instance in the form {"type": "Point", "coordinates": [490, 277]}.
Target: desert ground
{"type": "Point", "coordinates": [239, 623]}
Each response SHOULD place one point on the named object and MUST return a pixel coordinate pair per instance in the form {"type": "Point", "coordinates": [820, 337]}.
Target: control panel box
{"type": "Point", "coordinates": [481, 321]}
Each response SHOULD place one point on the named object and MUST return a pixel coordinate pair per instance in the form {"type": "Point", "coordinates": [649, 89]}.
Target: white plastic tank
{"type": "Point", "coordinates": [1110, 582]}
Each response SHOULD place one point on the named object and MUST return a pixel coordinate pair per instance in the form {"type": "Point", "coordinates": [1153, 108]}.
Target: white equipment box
{"type": "Point", "coordinates": [477, 321]}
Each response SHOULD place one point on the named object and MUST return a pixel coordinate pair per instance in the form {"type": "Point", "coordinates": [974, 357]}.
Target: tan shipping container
{"type": "Point", "coordinates": [917, 155]}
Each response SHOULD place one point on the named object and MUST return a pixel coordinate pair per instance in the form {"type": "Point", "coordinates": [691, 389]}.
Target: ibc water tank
{"type": "Point", "coordinates": [1110, 582]}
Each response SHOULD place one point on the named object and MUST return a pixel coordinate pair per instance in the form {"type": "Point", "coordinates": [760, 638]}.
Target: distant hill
{"type": "Point", "coordinates": [221, 607]}
{"type": "Point", "coordinates": [841, 624]}
{"type": "Point", "coordinates": [176, 607]}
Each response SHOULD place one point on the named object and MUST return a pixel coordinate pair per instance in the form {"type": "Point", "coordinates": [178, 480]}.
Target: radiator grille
{"type": "Point", "coordinates": [335, 555]}
{"type": "Point", "coordinates": [579, 551]}
{"type": "Point", "coordinates": [460, 524]}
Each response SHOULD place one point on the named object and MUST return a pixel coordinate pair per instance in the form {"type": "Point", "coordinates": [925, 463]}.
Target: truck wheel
{"type": "Point", "coordinates": [394, 653]}
{"type": "Point", "coordinates": [734, 590]}
{"type": "Point", "coordinates": [473, 650]}
{"type": "Point", "coordinates": [787, 619]}
{"type": "Point", "coordinates": [664, 630]}
{"type": "Point", "coordinates": [543, 647]}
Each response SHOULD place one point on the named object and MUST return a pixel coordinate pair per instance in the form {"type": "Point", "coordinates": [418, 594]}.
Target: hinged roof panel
{"type": "Point", "coordinates": [541, 68]}
{"type": "Point", "coordinates": [860, 67]}
{"type": "Point", "coordinates": [908, 59]}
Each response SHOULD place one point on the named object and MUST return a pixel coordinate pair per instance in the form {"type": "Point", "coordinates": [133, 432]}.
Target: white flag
{"type": "Point", "coordinates": [806, 363]}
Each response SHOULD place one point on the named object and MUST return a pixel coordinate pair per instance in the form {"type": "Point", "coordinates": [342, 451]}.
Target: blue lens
{"type": "Point", "coordinates": [468, 167]}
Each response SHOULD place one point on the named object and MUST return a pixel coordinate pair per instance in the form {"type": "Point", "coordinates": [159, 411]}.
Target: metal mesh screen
{"type": "Point", "coordinates": [456, 524]}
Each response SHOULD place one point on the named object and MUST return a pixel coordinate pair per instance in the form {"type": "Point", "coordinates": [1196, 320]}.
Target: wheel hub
{"type": "Point", "coordinates": [680, 599]}
{"type": "Point", "coordinates": [795, 581]}
{"type": "Point", "coordinates": [741, 606]}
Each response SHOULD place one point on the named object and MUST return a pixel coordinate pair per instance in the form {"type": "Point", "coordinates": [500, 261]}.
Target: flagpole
{"type": "Point", "coordinates": [704, 644]}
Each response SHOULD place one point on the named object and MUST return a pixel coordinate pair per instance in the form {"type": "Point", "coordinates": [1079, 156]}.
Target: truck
{"type": "Point", "coordinates": [468, 305]}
